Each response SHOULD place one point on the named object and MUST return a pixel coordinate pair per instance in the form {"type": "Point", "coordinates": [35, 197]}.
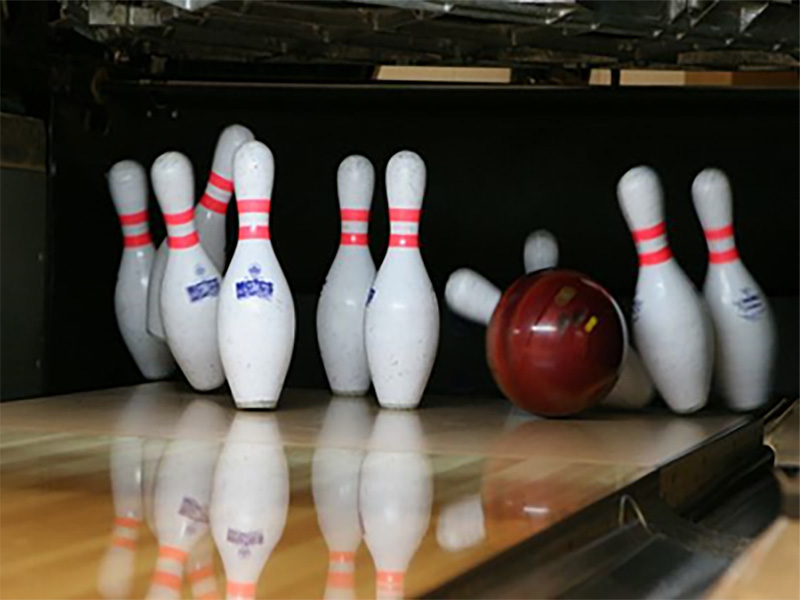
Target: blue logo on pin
{"type": "Point", "coordinates": [750, 304]}
{"type": "Point", "coordinates": [254, 287]}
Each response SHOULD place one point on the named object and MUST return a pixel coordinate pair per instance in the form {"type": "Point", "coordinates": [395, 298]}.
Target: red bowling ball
{"type": "Point", "coordinates": [556, 342]}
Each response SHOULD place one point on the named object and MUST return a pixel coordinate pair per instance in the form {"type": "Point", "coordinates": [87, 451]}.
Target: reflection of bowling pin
{"type": "Point", "coordinates": [250, 501]}
{"type": "Point", "coordinates": [461, 524]}
{"type": "Point", "coordinates": [340, 312]}
{"type": "Point", "coordinates": [209, 219]}
{"type": "Point", "coordinates": [256, 312]}
{"type": "Point", "coordinates": [127, 182]}
{"type": "Point", "coordinates": [335, 473]}
{"type": "Point", "coordinates": [744, 327]}
{"type": "Point", "coordinates": [670, 325]}
{"type": "Point", "coordinates": [200, 570]}
{"type": "Point", "coordinates": [402, 317]}
{"type": "Point", "coordinates": [633, 388]}
{"type": "Point", "coordinates": [190, 290]}
{"type": "Point", "coordinates": [395, 497]}
{"type": "Point", "coordinates": [183, 492]}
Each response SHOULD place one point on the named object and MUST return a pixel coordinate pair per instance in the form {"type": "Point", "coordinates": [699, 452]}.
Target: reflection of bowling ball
{"type": "Point", "coordinates": [556, 342]}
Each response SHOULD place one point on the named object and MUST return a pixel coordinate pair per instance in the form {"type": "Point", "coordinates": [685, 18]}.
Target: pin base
{"type": "Point", "coordinates": [257, 405]}
{"type": "Point", "coordinates": [392, 406]}
{"type": "Point", "coordinates": [350, 393]}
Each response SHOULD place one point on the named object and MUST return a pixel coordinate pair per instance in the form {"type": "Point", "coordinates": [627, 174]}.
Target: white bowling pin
{"type": "Point", "coordinates": [670, 323]}
{"type": "Point", "coordinates": [340, 312]}
{"type": "Point", "coordinates": [183, 493]}
{"type": "Point", "coordinates": [633, 389]}
{"type": "Point", "coordinates": [743, 321]}
{"type": "Point", "coordinates": [190, 290]}
{"type": "Point", "coordinates": [335, 475]}
{"type": "Point", "coordinates": [209, 219]}
{"type": "Point", "coordinates": [461, 524]}
{"type": "Point", "coordinates": [256, 312]}
{"type": "Point", "coordinates": [127, 183]}
{"type": "Point", "coordinates": [402, 316]}
{"type": "Point", "coordinates": [540, 251]}
{"type": "Point", "coordinates": [210, 213]}
{"type": "Point", "coordinates": [250, 501]}
{"type": "Point", "coordinates": [395, 497]}
{"type": "Point", "coordinates": [471, 295]}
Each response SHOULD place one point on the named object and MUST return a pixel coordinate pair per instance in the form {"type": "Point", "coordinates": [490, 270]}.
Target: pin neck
{"type": "Point", "coordinates": [240, 590]}
{"type": "Point", "coordinates": [721, 245]}
{"type": "Point", "coordinates": [390, 584]}
{"type": "Point", "coordinates": [218, 193]}
{"type": "Point", "coordinates": [652, 245]}
{"type": "Point", "coordinates": [355, 223]}
{"type": "Point", "coordinates": [253, 218]}
{"type": "Point", "coordinates": [135, 230]}
{"type": "Point", "coordinates": [181, 233]}
{"type": "Point", "coordinates": [404, 227]}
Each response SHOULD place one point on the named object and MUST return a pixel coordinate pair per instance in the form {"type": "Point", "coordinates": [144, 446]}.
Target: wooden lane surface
{"type": "Point", "coordinates": [520, 475]}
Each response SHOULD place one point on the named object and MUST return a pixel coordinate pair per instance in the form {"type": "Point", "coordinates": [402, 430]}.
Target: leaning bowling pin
{"type": "Point", "coordinates": [183, 493]}
{"type": "Point", "coordinates": [335, 475]}
{"type": "Point", "coordinates": [209, 219]}
{"type": "Point", "coordinates": [743, 322]}
{"type": "Point", "coordinates": [633, 389]}
{"type": "Point", "coordinates": [340, 312]}
{"type": "Point", "coordinates": [670, 324]}
{"type": "Point", "coordinates": [210, 212]}
{"type": "Point", "coordinates": [402, 316]}
{"type": "Point", "coordinates": [471, 296]}
{"type": "Point", "coordinates": [250, 501]}
{"type": "Point", "coordinates": [127, 183]}
{"type": "Point", "coordinates": [395, 498]}
{"type": "Point", "coordinates": [190, 290]}
{"type": "Point", "coordinates": [256, 313]}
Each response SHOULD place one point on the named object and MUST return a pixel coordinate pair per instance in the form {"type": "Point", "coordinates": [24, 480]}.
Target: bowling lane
{"type": "Point", "coordinates": [462, 480]}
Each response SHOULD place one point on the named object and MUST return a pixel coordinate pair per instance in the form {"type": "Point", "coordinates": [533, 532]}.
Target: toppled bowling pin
{"type": "Point", "coordinates": [743, 321]}
{"type": "Point", "coordinates": [127, 183]}
{"type": "Point", "coordinates": [402, 316]}
{"type": "Point", "coordinates": [540, 251]}
{"type": "Point", "coordinates": [471, 295]}
{"type": "Point", "coordinates": [395, 497]}
{"type": "Point", "coordinates": [256, 312]}
{"type": "Point", "coordinates": [190, 290]}
{"type": "Point", "coordinates": [335, 474]}
{"type": "Point", "coordinates": [250, 501]}
{"type": "Point", "coordinates": [670, 324]}
{"type": "Point", "coordinates": [209, 219]}
{"type": "Point", "coordinates": [340, 312]}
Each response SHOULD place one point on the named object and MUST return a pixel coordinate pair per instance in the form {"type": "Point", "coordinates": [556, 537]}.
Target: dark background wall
{"type": "Point", "coordinates": [501, 163]}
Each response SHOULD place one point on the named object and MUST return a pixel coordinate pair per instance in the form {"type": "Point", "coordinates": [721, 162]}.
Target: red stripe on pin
{"type": "Point", "coordinates": [341, 557]}
{"type": "Point", "coordinates": [654, 258]}
{"type": "Point", "coordinates": [134, 218]}
{"type": "Point", "coordinates": [253, 206]}
{"type": "Point", "coordinates": [649, 233]}
{"type": "Point", "coordinates": [719, 234]}
{"type": "Point", "coordinates": [213, 204]}
{"type": "Point", "coordinates": [254, 232]}
{"type": "Point", "coordinates": [403, 241]}
{"type": "Point", "coordinates": [220, 182]}
{"type": "Point", "coordinates": [123, 542]}
{"type": "Point", "coordinates": [167, 580]}
{"type": "Point", "coordinates": [128, 522]}
{"type": "Point", "coordinates": [179, 218]}
{"type": "Point", "coordinates": [355, 214]}
{"type": "Point", "coordinates": [390, 578]}
{"type": "Point", "coordinates": [354, 239]}
{"type": "Point", "coordinates": [241, 589]}
{"type": "Point", "coordinates": [723, 256]}
{"type": "Point", "coordinates": [183, 241]}
{"type": "Point", "coordinates": [171, 552]}
{"type": "Point", "coordinates": [134, 241]}
{"type": "Point", "coordinates": [406, 215]}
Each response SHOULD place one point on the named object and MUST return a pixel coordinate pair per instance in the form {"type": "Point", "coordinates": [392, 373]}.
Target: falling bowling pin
{"type": "Point", "coordinates": [340, 312]}
{"type": "Point", "coordinates": [670, 324]}
{"type": "Point", "coordinates": [743, 322]}
{"type": "Point", "coordinates": [250, 500]}
{"type": "Point", "coordinates": [190, 290]}
{"type": "Point", "coordinates": [127, 183]}
{"type": "Point", "coordinates": [540, 251]}
{"type": "Point", "coordinates": [256, 312]}
{"type": "Point", "coordinates": [402, 316]}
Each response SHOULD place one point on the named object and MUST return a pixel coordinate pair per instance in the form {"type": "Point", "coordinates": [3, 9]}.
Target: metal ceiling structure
{"type": "Point", "coordinates": [688, 34]}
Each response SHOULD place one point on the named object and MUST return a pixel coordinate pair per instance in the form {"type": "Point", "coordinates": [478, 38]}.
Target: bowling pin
{"type": "Point", "coordinates": [190, 290]}
{"type": "Point", "coordinates": [127, 183]}
{"type": "Point", "coordinates": [209, 219]}
{"type": "Point", "coordinates": [340, 312]}
{"type": "Point", "coordinates": [335, 475]}
{"type": "Point", "coordinates": [395, 497]}
{"type": "Point", "coordinates": [183, 493]}
{"type": "Point", "coordinates": [250, 501]}
{"type": "Point", "coordinates": [256, 313]}
{"type": "Point", "coordinates": [670, 324]}
{"type": "Point", "coordinates": [461, 524]}
{"type": "Point", "coordinates": [402, 316]}
{"type": "Point", "coordinates": [633, 389]}
{"type": "Point", "coordinates": [743, 321]}
{"type": "Point", "coordinates": [200, 570]}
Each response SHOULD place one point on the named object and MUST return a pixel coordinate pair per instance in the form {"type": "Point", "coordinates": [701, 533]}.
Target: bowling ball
{"type": "Point", "coordinates": [556, 342]}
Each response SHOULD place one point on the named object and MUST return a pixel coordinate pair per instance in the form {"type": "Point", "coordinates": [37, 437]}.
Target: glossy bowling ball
{"type": "Point", "coordinates": [556, 342]}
